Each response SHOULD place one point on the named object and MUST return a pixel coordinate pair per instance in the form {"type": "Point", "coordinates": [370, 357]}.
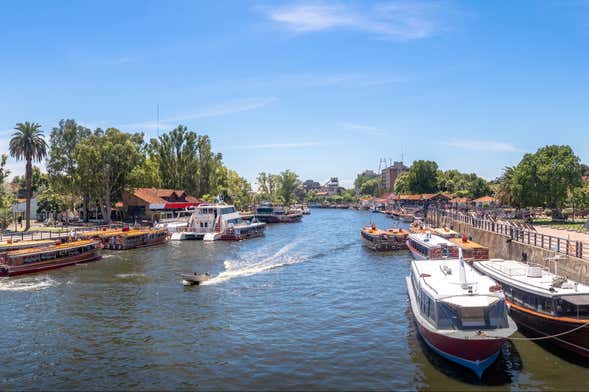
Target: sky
{"type": "Point", "coordinates": [324, 88]}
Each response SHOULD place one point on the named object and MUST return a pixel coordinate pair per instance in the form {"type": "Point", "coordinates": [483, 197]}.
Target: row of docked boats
{"type": "Point", "coordinates": [207, 222]}
{"type": "Point", "coordinates": [222, 222]}
{"type": "Point", "coordinates": [24, 257]}
{"type": "Point", "coordinates": [466, 305]}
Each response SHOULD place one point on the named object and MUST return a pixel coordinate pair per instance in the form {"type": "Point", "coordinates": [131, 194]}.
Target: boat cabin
{"type": "Point", "coordinates": [428, 246]}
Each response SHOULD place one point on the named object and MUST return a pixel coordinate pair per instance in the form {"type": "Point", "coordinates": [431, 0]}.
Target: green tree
{"type": "Point", "coordinates": [370, 187]}
{"type": "Point", "coordinates": [238, 190]}
{"type": "Point", "coordinates": [269, 187]}
{"type": "Point", "coordinates": [546, 177]}
{"type": "Point", "coordinates": [105, 161]}
{"type": "Point", "coordinates": [50, 201]}
{"type": "Point", "coordinates": [186, 161]}
{"type": "Point", "coordinates": [422, 177]}
{"type": "Point", "coordinates": [145, 175]}
{"type": "Point", "coordinates": [289, 182]}
{"type": "Point", "coordinates": [62, 166]}
{"type": "Point", "coordinates": [39, 180]}
{"type": "Point", "coordinates": [28, 143]}
{"type": "Point", "coordinates": [7, 198]}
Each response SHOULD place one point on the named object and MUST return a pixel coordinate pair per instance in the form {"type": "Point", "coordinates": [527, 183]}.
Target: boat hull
{"type": "Point", "coordinates": [279, 218]}
{"type": "Point", "coordinates": [539, 326]}
{"type": "Point", "coordinates": [472, 353]}
{"type": "Point", "coordinates": [55, 264]}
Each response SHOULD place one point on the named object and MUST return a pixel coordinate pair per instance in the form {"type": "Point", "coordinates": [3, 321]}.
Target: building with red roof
{"type": "Point", "coordinates": [150, 203]}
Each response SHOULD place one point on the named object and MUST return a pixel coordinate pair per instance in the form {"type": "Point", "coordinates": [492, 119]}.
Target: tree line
{"type": "Point", "coordinates": [93, 167]}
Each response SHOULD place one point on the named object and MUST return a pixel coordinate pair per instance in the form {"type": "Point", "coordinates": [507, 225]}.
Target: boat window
{"type": "Point", "coordinates": [566, 309]}
{"type": "Point", "coordinates": [472, 317]}
{"type": "Point", "coordinates": [497, 315]}
{"type": "Point", "coordinates": [447, 317]}
{"type": "Point", "coordinates": [227, 210]}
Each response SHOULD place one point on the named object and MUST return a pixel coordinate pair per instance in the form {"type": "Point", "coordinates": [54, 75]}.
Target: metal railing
{"type": "Point", "coordinates": [522, 235]}
{"type": "Point", "coordinates": [51, 234]}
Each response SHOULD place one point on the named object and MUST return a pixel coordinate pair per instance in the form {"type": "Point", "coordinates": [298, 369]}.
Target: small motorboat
{"type": "Point", "coordinates": [195, 278]}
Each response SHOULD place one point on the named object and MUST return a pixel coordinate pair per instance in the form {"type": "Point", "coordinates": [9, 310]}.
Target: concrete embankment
{"type": "Point", "coordinates": [503, 247]}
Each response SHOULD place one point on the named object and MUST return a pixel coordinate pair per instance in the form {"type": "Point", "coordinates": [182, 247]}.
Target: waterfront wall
{"type": "Point", "coordinates": [503, 247]}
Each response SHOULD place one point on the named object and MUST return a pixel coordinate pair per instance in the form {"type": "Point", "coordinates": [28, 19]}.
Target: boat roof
{"type": "Point", "coordinates": [467, 244]}
{"type": "Point", "coordinates": [445, 231]}
{"type": "Point", "coordinates": [25, 244]}
{"type": "Point", "coordinates": [430, 240]}
{"type": "Point", "coordinates": [55, 248]}
{"type": "Point", "coordinates": [442, 280]}
{"type": "Point", "coordinates": [135, 233]}
{"type": "Point", "coordinates": [516, 273]}
{"type": "Point", "coordinates": [377, 231]}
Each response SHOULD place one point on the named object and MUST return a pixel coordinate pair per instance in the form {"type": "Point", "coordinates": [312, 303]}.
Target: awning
{"type": "Point", "coordinates": [579, 299]}
{"type": "Point", "coordinates": [172, 206]}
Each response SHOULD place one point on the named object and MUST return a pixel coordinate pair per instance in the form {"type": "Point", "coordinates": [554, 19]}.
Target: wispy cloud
{"type": "Point", "coordinates": [363, 129]}
{"type": "Point", "coordinates": [217, 110]}
{"type": "Point", "coordinates": [275, 146]}
{"type": "Point", "coordinates": [398, 20]}
{"type": "Point", "coordinates": [482, 145]}
{"type": "Point", "coordinates": [311, 80]}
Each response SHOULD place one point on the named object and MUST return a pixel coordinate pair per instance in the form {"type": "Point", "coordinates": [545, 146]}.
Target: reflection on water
{"type": "Point", "coordinates": [305, 307]}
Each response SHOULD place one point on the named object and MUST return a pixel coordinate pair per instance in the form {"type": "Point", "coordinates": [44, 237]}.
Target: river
{"type": "Point", "coordinates": [304, 307]}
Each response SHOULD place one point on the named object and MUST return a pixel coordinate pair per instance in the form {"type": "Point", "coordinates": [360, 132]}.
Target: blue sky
{"type": "Point", "coordinates": [323, 88]}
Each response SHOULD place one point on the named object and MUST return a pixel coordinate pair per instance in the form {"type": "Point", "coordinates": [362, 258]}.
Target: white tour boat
{"type": "Point", "coordinates": [212, 222]}
{"type": "Point", "coordinates": [460, 313]}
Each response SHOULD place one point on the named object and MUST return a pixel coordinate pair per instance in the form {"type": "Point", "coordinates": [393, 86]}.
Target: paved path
{"type": "Point", "coordinates": [572, 235]}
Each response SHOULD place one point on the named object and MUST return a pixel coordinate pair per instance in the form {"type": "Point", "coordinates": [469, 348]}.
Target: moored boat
{"type": "Point", "coordinates": [384, 240]}
{"type": "Point", "coordinates": [37, 259]}
{"type": "Point", "coordinates": [544, 304]}
{"type": "Point", "coordinates": [124, 239]}
{"type": "Point", "coordinates": [471, 250]}
{"type": "Point", "coordinates": [269, 213]}
{"type": "Point", "coordinates": [425, 246]}
{"type": "Point", "coordinates": [16, 245]}
{"type": "Point", "coordinates": [445, 232]}
{"type": "Point", "coordinates": [460, 313]}
{"type": "Point", "coordinates": [213, 222]}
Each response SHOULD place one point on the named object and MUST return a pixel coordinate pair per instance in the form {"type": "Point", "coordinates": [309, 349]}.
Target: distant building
{"type": "Point", "coordinates": [150, 203]}
{"type": "Point", "coordinates": [389, 175]}
{"type": "Point", "coordinates": [19, 208]}
{"type": "Point", "coordinates": [311, 185]}
{"type": "Point", "coordinates": [332, 186]}
{"type": "Point", "coordinates": [486, 201]}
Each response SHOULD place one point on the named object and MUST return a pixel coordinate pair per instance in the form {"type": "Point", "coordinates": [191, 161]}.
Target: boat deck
{"type": "Point", "coordinates": [517, 273]}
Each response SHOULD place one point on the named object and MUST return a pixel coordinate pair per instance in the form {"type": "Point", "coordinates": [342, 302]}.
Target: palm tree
{"type": "Point", "coordinates": [28, 143]}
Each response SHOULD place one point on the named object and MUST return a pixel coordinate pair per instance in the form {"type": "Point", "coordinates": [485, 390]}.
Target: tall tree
{"type": "Point", "coordinates": [62, 166]}
{"type": "Point", "coordinates": [105, 161]}
{"type": "Point", "coordinates": [289, 182]}
{"type": "Point", "coordinates": [546, 177]}
{"type": "Point", "coordinates": [422, 177]}
{"type": "Point", "coordinates": [28, 143]}
{"type": "Point", "coordinates": [186, 161]}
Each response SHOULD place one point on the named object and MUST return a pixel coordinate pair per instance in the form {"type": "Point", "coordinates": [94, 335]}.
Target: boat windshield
{"type": "Point", "coordinates": [450, 317]}
{"type": "Point", "coordinates": [227, 210]}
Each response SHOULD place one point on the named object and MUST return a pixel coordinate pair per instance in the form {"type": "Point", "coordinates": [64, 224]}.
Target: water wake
{"type": "Point", "coordinates": [243, 267]}
{"type": "Point", "coordinates": [27, 284]}
{"type": "Point", "coordinates": [283, 257]}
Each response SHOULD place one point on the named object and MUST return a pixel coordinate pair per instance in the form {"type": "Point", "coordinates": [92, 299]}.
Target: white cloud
{"type": "Point", "coordinates": [482, 145]}
{"type": "Point", "coordinates": [230, 107]}
{"type": "Point", "coordinates": [398, 20]}
{"type": "Point", "coordinates": [275, 145]}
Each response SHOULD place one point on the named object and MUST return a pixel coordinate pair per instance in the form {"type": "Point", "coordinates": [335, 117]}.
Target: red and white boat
{"type": "Point", "coordinates": [460, 313]}
{"type": "Point", "coordinates": [425, 246]}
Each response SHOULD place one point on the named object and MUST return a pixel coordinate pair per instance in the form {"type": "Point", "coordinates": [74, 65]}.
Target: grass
{"type": "Point", "coordinates": [561, 225]}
